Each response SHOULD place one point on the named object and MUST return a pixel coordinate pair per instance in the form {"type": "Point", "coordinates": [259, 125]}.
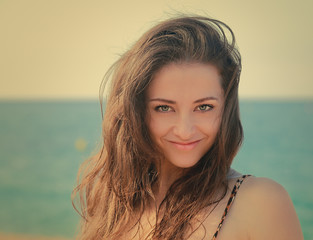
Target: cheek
{"type": "Point", "coordinates": [210, 126]}
{"type": "Point", "coordinates": [158, 127]}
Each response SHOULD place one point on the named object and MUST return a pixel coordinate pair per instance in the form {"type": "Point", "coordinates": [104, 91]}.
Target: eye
{"type": "Point", "coordinates": [163, 108]}
{"type": "Point", "coordinates": [204, 107]}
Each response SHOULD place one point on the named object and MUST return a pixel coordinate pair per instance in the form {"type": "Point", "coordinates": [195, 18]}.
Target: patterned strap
{"type": "Point", "coordinates": [230, 201]}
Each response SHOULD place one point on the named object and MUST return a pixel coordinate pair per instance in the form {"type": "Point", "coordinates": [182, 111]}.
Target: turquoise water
{"type": "Point", "coordinates": [39, 161]}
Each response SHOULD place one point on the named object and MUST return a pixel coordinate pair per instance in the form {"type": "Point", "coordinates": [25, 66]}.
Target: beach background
{"type": "Point", "coordinates": [53, 55]}
{"type": "Point", "coordinates": [42, 144]}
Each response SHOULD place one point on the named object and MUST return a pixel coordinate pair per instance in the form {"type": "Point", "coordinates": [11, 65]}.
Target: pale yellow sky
{"type": "Point", "coordinates": [62, 48]}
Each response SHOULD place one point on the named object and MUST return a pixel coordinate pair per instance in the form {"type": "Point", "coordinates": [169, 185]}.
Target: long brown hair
{"type": "Point", "coordinates": [116, 184]}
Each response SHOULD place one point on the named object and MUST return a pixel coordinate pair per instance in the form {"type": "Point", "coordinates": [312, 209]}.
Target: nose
{"type": "Point", "coordinates": [184, 128]}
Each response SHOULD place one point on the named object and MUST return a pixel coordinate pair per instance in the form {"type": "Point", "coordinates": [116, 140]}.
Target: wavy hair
{"type": "Point", "coordinates": [115, 185]}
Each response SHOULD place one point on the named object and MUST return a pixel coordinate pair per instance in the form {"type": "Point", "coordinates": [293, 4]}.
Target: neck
{"type": "Point", "coordinates": [167, 176]}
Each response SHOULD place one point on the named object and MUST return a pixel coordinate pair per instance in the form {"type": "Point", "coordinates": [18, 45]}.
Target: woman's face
{"type": "Point", "coordinates": [185, 103]}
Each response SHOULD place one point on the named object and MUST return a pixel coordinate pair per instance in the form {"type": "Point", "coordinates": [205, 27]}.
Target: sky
{"type": "Point", "coordinates": [61, 49]}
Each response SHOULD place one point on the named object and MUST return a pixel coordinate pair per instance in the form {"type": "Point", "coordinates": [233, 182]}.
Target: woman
{"type": "Point", "coordinates": [170, 132]}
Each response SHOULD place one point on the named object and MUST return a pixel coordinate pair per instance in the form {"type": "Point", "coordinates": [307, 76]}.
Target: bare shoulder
{"type": "Point", "coordinates": [268, 210]}
{"type": "Point", "coordinates": [259, 188]}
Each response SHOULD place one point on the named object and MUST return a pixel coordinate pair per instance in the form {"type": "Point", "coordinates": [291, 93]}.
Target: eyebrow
{"type": "Point", "coordinates": [173, 102]}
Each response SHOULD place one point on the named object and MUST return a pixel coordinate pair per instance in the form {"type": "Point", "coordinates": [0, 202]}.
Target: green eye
{"type": "Point", "coordinates": [162, 108]}
{"type": "Point", "coordinates": [205, 107]}
{"type": "Point", "coordinates": [165, 108]}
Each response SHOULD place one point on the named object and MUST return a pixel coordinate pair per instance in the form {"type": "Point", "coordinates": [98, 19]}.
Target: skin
{"type": "Point", "coordinates": [262, 210]}
{"type": "Point", "coordinates": [185, 103]}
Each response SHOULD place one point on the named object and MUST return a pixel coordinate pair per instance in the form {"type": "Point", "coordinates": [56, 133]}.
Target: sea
{"type": "Point", "coordinates": [43, 143]}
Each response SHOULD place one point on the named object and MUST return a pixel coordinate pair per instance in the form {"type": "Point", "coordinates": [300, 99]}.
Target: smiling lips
{"type": "Point", "coordinates": [185, 146]}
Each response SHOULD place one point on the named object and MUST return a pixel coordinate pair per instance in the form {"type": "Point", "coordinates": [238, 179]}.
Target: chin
{"type": "Point", "coordinates": [184, 162]}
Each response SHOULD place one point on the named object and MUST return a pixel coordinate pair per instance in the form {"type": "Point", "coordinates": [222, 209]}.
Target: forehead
{"type": "Point", "coordinates": [186, 81]}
